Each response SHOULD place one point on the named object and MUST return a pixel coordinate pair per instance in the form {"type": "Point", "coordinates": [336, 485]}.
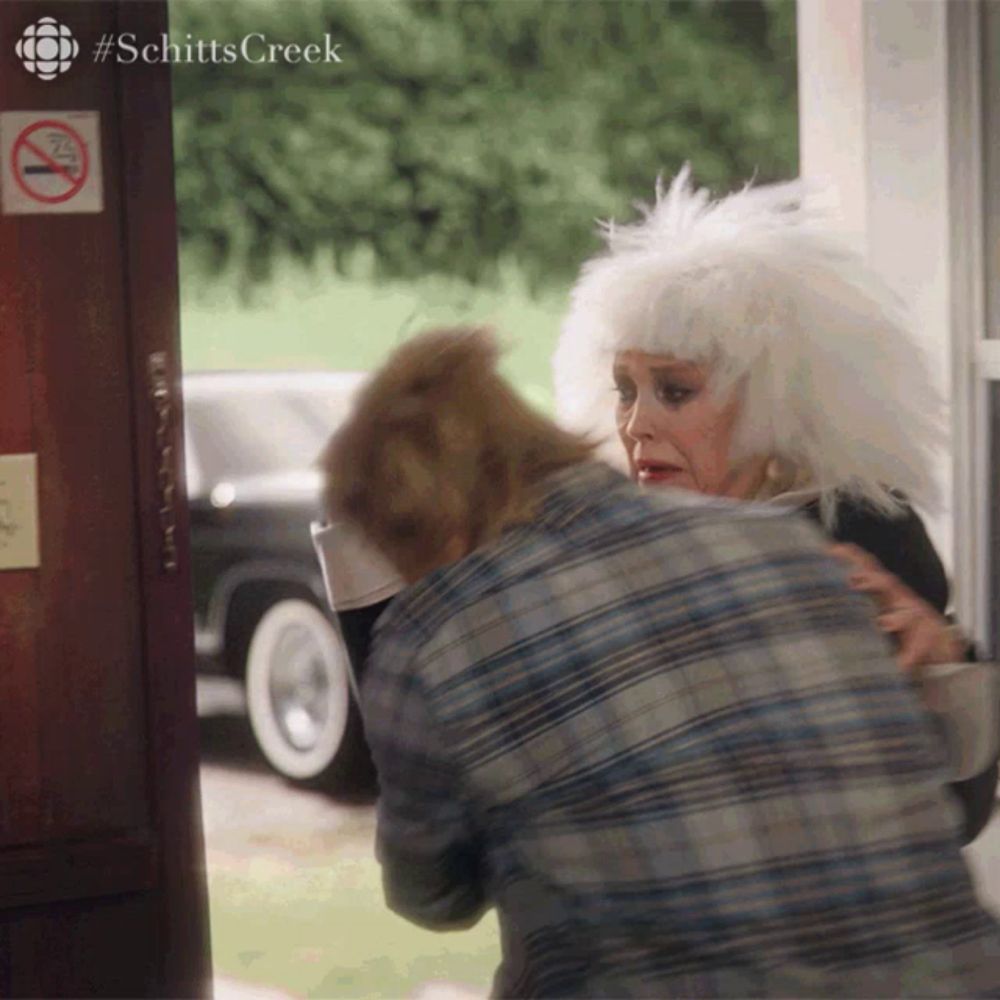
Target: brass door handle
{"type": "Point", "coordinates": [166, 476]}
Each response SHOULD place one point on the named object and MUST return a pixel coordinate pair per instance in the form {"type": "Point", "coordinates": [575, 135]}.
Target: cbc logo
{"type": "Point", "coordinates": [47, 48]}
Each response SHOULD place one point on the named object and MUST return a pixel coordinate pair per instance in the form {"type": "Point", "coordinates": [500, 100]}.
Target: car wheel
{"type": "Point", "coordinates": [299, 700]}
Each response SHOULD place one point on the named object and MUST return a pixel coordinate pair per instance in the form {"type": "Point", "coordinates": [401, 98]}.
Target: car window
{"type": "Point", "coordinates": [235, 434]}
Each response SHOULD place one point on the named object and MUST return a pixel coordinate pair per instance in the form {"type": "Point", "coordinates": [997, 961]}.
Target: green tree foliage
{"type": "Point", "coordinates": [457, 134]}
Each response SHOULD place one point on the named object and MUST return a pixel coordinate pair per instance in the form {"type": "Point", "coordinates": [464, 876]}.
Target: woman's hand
{"type": "Point", "coordinates": [923, 635]}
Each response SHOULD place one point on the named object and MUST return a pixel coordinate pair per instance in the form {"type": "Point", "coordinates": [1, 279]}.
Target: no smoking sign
{"type": "Point", "coordinates": [51, 162]}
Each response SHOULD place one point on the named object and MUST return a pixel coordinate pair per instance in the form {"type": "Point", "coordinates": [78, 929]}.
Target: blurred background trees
{"type": "Point", "coordinates": [458, 136]}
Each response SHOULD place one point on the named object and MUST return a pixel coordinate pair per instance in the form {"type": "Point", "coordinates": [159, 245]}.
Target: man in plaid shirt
{"type": "Point", "coordinates": [664, 739]}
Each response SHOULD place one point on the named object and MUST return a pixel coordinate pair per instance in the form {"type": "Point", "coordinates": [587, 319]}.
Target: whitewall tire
{"type": "Point", "coordinates": [298, 693]}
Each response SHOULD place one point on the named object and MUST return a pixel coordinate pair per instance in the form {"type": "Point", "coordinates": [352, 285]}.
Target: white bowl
{"type": "Point", "coordinates": [355, 573]}
{"type": "Point", "coordinates": [966, 698]}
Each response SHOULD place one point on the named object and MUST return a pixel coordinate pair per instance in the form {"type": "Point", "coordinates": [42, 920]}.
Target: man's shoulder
{"type": "Point", "coordinates": [679, 536]}
{"type": "Point", "coordinates": [422, 609]}
{"type": "Point", "coordinates": [619, 515]}
{"type": "Point", "coordinates": [720, 521]}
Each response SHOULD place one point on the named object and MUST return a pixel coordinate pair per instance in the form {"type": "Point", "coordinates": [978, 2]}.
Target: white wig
{"type": "Point", "coordinates": [758, 286]}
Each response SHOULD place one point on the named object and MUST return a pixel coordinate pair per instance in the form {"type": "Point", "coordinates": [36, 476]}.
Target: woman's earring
{"type": "Point", "coordinates": [780, 474]}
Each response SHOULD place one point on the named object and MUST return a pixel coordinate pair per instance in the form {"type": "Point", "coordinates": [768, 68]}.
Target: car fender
{"type": "Point", "coordinates": [211, 638]}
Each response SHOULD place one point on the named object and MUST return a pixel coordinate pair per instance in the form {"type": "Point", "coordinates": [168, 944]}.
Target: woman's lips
{"type": "Point", "coordinates": [656, 472]}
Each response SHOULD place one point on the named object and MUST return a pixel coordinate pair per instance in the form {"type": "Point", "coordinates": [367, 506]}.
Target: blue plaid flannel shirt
{"type": "Point", "coordinates": [669, 745]}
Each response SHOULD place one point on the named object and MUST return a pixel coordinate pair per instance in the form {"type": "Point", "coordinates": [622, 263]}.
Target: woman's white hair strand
{"type": "Point", "coordinates": [760, 284]}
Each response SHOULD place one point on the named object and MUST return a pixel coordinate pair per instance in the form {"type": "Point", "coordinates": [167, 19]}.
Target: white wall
{"type": "Point", "coordinates": [874, 118]}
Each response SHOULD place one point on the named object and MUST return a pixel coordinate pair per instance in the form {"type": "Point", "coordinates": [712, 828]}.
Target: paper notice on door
{"type": "Point", "coordinates": [19, 512]}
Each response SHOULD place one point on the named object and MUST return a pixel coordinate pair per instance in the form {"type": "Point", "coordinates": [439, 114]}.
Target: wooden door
{"type": "Point", "coordinates": [101, 857]}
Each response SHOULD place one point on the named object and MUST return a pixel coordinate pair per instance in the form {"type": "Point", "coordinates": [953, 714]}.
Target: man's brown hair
{"type": "Point", "coordinates": [440, 454]}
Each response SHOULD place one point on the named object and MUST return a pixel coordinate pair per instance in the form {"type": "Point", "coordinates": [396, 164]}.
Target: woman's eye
{"type": "Point", "coordinates": [626, 393]}
{"type": "Point", "coordinates": [673, 394]}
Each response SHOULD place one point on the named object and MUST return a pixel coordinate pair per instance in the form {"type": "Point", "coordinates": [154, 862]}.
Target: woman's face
{"type": "Point", "coordinates": [675, 433]}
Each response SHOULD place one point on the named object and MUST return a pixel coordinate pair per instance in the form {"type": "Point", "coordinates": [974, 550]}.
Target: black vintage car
{"type": "Point", "coordinates": [260, 612]}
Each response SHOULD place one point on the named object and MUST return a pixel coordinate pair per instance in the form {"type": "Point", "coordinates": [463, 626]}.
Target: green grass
{"type": "Point", "coordinates": [316, 319]}
{"type": "Point", "coordinates": [318, 927]}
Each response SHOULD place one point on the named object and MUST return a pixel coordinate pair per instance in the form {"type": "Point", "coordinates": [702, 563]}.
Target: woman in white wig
{"type": "Point", "coordinates": [738, 348]}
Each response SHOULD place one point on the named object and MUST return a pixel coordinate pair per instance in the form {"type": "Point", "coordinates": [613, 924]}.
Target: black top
{"type": "Point", "coordinates": [356, 627]}
{"type": "Point", "coordinates": [902, 546]}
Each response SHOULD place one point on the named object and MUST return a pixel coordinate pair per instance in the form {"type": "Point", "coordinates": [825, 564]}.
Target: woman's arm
{"type": "Point", "coordinates": [915, 598]}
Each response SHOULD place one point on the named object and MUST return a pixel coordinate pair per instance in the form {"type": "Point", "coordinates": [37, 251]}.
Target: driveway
{"type": "Point", "coordinates": [294, 889]}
